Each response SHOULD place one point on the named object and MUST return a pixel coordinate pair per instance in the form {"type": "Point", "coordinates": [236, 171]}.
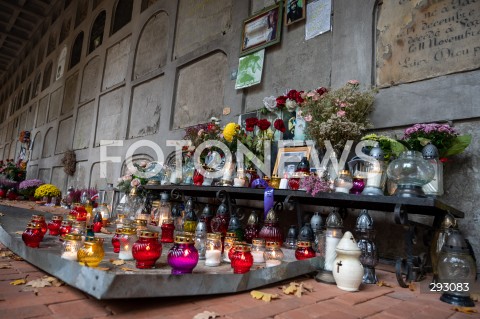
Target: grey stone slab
{"type": "Point", "coordinates": [109, 116]}
{"type": "Point", "coordinates": [83, 127]}
{"type": "Point", "coordinates": [70, 94]}
{"type": "Point", "coordinates": [37, 146]}
{"type": "Point", "coordinates": [49, 143]}
{"type": "Point", "coordinates": [91, 76]}
{"type": "Point", "coordinates": [42, 111]}
{"type": "Point", "coordinates": [44, 174]}
{"type": "Point", "coordinates": [116, 63]}
{"type": "Point", "coordinates": [55, 104]}
{"type": "Point", "coordinates": [64, 135]}
{"type": "Point", "coordinates": [59, 178]}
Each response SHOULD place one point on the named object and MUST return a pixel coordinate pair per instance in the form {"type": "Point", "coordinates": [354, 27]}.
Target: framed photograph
{"type": "Point", "coordinates": [288, 159]}
{"type": "Point", "coordinates": [294, 11]}
{"type": "Point", "coordinates": [262, 29]}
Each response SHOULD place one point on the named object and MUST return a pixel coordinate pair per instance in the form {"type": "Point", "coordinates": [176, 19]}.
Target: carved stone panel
{"type": "Point", "coordinates": [419, 39]}
{"type": "Point", "coordinates": [91, 74]}
{"type": "Point", "coordinates": [70, 93]}
{"type": "Point", "coordinates": [146, 108]}
{"type": "Point", "coordinates": [37, 146]}
{"type": "Point", "coordinates": [80, 178]}
{"type": "Point", "coordinates": [30, 117]}
{"type": "Point", "coordinates": [110, 117]}
{"type": "Point", "coordinates": [116, 63]}
{"type": "Point", "coordinates": [49, 143]}
{"type": "Point", "coordinates": [192, 105]}
{"type": "Point", "coordinates": [152, 46]}
{"type": "Point", "coordinates": [44, 175]}
{"type": "Point", "coordinates": [32, 172]}
{"type": "Point", "coordinates": [42, 111]}
{"type": "Point", "coordinates": [64, 136]}
{"type": "Point", "coordinates": [55, 103]}
{"type": "Point", "coordinates": [199, 22]}
{"type": "Point", "coordinates": [59, 178]}
{"type": "Point", "coordinates": [83, 127]}
{"type": "Point", "coordinates": [100, 182]}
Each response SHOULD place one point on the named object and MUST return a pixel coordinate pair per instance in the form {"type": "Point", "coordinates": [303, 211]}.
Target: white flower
{"type": "Point", "coordinates": [135, 182]}
{"type": "Point", "coordinates": [291, 105]}
{"type": "Point", "coordinates": [270, 103]}
{"type": "Point", "coordinates": [127, 177]}
{"type": "Point", "coordinates": [215, 120]}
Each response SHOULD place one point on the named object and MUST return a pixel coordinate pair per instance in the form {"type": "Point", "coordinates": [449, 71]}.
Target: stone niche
{"type": "Point", "coordinates": [30, 117]}
{"type": "Point", "coordinates": [70, 93]}
{"type": "Point", "coordinates": [49, 143]}
{"type": "Point", "coordinates": [59, 178]}
{"type": "Point", "coordinates": [42, 111]}
{"type": "Point", "coordinates": [146, 108]}
{"type": "Point", "coordinates": [64, 136]}
{"type": "Point", "coordinates": [37, 146]}
{"type": "Point", "coordinates": [192, 104]}
{"type": "Point", "coordinates": [91, 74]}
{"type": "Point", "coordinates": [32, 172]}
{"type": "Point", "coordinates": [419, 39]}
{"type": "Point", "coordinates": [44, 174]}
{"type": "Point", "coordinates": [109, 120]}
{"type": "Point", "coordinates": [100, 182]}
{"type": "Point", "coordinates": [80, 178]}
{"type": "Point", "coordinates": [83, 127]}
{"type": "Point", "coordinates": [152, 46]}
{"type": "Point", "coordinates": [200, 22]}
{"type": "Point", "coordinates": [55, 104]}
{"type": "Point", "coordinates": [116, 63]}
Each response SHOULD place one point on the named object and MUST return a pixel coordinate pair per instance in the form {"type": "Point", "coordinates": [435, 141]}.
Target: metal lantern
{"type": "Point", "coordinates": [366, 236]}
{"type": "Point", "coordinates": [456, 271]}
{"type": "Point", "coordinates": [358, 169]}
{"type": "Point", "coordinates": [376, 173]}
{"type": "Point", "coordinates": [435, 186]}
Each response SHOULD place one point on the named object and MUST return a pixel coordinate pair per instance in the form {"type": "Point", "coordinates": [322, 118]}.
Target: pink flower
{"type": "Point", "coordinates": [127, 177]}
{"type": "Point", "coordinates": [143, 164]}
{"type": "Point", "coordinates": [200, 132]}
{"type": "Point", "coordinates": [135, 182]}
{"type": "Point", "coordinates": [341, 113]}
{"type": "Point", "coordinates": [307, 118]}
{"type": "Point", "coordinates": [353, 82]}
{"type": "Point", "coordinates": [343, 104]}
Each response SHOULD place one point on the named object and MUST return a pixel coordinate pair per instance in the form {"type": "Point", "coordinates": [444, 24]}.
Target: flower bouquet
{"type": "Point", "coordinates": [444, 137]}
{"type": "Point", "coordinates": [47, 190]}
{"type": "Point", "coordinates": [134, 178]}
{"type": "Point", "coordinates": [27, 187]}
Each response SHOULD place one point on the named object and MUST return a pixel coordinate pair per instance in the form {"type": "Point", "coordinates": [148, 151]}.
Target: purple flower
{"type": "Point", "coordinates": [30, 183]}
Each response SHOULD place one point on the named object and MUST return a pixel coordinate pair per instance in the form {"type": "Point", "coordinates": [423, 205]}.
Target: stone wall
{"type": "Point", "coordinates": [171, 66]}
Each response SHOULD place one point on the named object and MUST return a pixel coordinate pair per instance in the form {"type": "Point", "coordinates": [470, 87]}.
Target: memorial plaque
{"type": "Point", "coordinates": [420, 39]}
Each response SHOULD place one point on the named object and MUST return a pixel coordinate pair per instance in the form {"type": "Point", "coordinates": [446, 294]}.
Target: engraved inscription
{"type": "Point", "coordinates": [421, 39]}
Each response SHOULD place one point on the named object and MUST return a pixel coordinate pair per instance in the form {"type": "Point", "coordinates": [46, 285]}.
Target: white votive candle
{"type": "Point", "coordinates": [69, 255]}
{"type": "Point", "coordinates": [258, 257]}
{"type": "Point", "coordinates": [125, 254]}
{"type": "Point", "coordinates": [225, 254]}
{"type": "Point", "coordinates": [342, 190]}
{"type": "Point", "coordinates": [212, 257]}
{"type": "Point", "coordinates": [272, 263]}
{"type": "Point", "coordinates": [330, 252]}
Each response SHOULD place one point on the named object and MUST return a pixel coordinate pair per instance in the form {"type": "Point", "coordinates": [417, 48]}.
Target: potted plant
{"type": "Point", "coordinates": [47, 192]}
{"type": "Point", "coordinates": [27, 187]}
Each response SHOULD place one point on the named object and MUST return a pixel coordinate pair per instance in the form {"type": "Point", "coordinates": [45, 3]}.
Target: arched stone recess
{"type": "Point", "coordinates": [13, 151]}
{"type": "Point", "coordinates": [109, 116]}
{"type": "Point", "coordinates": [146, 108]}
{"type": "Point", "coordinates": [32, 172]}
{"type": "Point", "coordinates": [116, 63]}
{"type": "Point", "coordinates": [91, 73]}
{"type": "Point", "coordinates": [101, 175]}
{"type": "Point", "coordinates": [49, 143]}
{"type": "Point", "coordinates": [65, 30]}
{"type": "Point", "coordinates": [37, 146]}
{"type": "Point", "coordinates": [152, 47]}
{"type": "Point", "coordinates": [76, 50]}
{"type": "Point", "coordinates": [200, 22]}
{"type": "Point", "coordinates": [70, 94]}
{"type": "Point", "coordinates": [83, 127]}
{"type": "Point", "coordinates": [192, 105]}
{"type": "Point", "coordinates": [122, 14]}
{"type": "Point", "coordinates": [80, 179]}
{"type": "Point", "coordinates": [47, 75]}
{"type": "Point", "coordinates": [6, 150]}
{"type": "Point", "coordinates": [55, 104]}
{"type": "Point", "coordinates": [81, 13]}
{"type": "Point", "coordinates": [97, 32]}
{"type": "Point", "coordinates": [44, 174]}
{"type": "Point", "coordinates": [42, 111]}
{"type": "Point", "coordinates": [64, 135]}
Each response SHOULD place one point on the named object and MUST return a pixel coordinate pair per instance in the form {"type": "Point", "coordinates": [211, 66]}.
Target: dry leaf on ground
{"type": "Point", "coordinates": [297, 289]}
{"type": "Point", "coordinates": [118, 262]}
{"type": "Point", "coordinates": [20, 232]}
{"type": "Point", "coordinates": [103, 268]}
{"type": "Point", "coordinates": [267, 297]}
{"type": "Point", "coordinates": [103, 230]}
{"type": "Point", "coordinates": [5, 266]}
{"type": "Point", "coordinates": [6, 253]}
{"type": "Point", "coordinates": [467, 310]}
{"type": "Point", "coordinates": [127, 269]}
{"type": "Point", "coordinates": [475, 296]}
{"type": "Point", "coordinates": [412, 286]}
{"type": "Point", "coordinates": [384, 284]}
{"type": "Point", "coordinates": [206, 315]}
{"type": "Point", "coordinates": [39, 283]}
{"type": "Point", "coordinates": [17, 282]}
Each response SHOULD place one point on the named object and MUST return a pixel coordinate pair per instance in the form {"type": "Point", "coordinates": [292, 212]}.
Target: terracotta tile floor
{"type": "Point", "coordinates": [325, 301]}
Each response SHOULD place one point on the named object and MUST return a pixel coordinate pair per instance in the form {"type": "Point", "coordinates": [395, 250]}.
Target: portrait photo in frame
{"type": "Point", "coordinates": [262, 29]}
{"type": "Point", "coordinates": [288, 159]}
{"type": "Point", "coordinates": [294, 11]}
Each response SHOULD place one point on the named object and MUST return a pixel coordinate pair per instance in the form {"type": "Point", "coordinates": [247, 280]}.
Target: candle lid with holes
{"type": "Point", "coordinates": [347, 244]}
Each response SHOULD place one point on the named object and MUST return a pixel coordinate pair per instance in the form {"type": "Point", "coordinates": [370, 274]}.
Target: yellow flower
{"type": "Point", "coordinates": [48, 190]}
{"type": "Point", "coordinates": [230, 131]}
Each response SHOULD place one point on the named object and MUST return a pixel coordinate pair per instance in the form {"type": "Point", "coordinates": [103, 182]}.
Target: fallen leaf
{"type": "Point", "coordinates": [103, 268]}
{"type": "Point", "coordinates": [467, 310]}
{"type": "Point", "coordinates": [39, 283]}
{"type": "Point", "coordinates": [288, 290]}
{"type": "Point", "coordinates": [118, 262]}
{"type": "Point", "coordinates": [103, 230]}
{"type": "Point", "coordinates": [412, 286]}
{"type": "Point", "coordinates": [206, 315]}
{"type": "Point", "coordinates": [384, 284]}
{"type": "Point", "coordinates": [18, 282]}
{"type": "Point", "coordinates": [54, 281]}
{"type": "Point", "coordinates": [263, 295]}
{"type": "Point", "coordinates": [20, 232]}
{"type": "Point", "coordinates": [308, 287]}
{"type": "Point", "coordinates": [15, 257]}
{"type": "Point", "coordinates": [6, 253]}
{"type": "Point", "coordinates": [5, 266]}
{"type": "Point", "coordinates": [127, 269]}
{"type": "Point", "coordinates": [475, 296]}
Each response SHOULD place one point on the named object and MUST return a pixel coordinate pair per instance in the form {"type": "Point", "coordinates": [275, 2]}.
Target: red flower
{"type": "Point", "coordinates": [321, 90]}
{"type": "Point", "coordinates": [281, 100]}
{"type": "Point", "coordinates": [263, 124]}
{"type": "Point", "coordinates": [292, 94]}
{"type": "Point", "coordinates": [279, 125]}
{"type": "Point", "coordinates": [211, 127]}
{"type": "Point", "coordinates": [252, 121]}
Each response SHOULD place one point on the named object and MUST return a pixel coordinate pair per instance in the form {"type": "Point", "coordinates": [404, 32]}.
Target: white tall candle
{"type": "Point", "coordinates": [330, 253]}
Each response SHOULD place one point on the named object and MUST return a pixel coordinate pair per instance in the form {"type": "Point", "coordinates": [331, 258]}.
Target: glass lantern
{"type": "Point", "coordinates": [127, 239]}
{"type": "Point", "coordinates": [343, 182]}
{"type": "Point", "coordinates": [201, 239]}
{"type": "Point", "coordinates": [116, 240]}
{"type": "Point", "coordinates": [242, 259]}
{"type": "Point", "coordinates": [258, 248]}
{"type": "Point", "coordinates": [92, 253]}
{"type": "Point", "coordinates": [410, 172]}
{"type": "Point", "coordinates": [366, 242]}
{"type": "Point", "coordinates": [65, 228]}
{"type": "Point", "coordinates": [230, 239]}
{"type": "Point", "coordinates": [435, 186]}
{"type": "Point", "coordinates": [168, 229]}
{"type": "Point", "coordinates": [32, 236]}
{"type": "Point", "coordinates": [304, 250]}
{"type": "Point", "coordinates": [40, 220]}
{"type": "Point", "coordinates": [146, 250]}
{"type": "Point", "coordinates": [213, 249]}
{"type": "Point", "coordinates": [71, 244]}
{"type": "Point", "coordinates": [376, 173]}
{"type": "Point", "coordinates": [54, 225]}
{"type": "Point", "coordinates": [456, 271]}
{"type": "Point", "coordinates": [333, 235]}
{"type": "Point", "coordinates": [273, 254]}
{"type": "Point", "coordinates": [183, 256]}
